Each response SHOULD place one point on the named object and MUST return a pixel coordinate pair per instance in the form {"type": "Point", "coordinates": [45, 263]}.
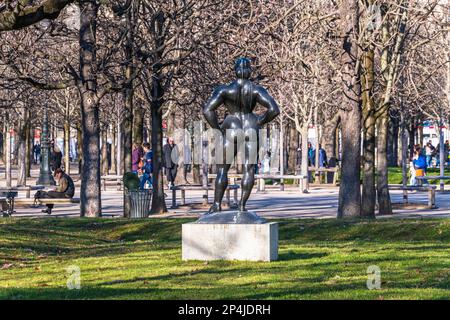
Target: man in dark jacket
{"type": "Point", "coordinates": [170, 153]}
{"type": "Point", "coordinates": [323, 163]}
{"type": "Point", "coordinates": [37, 153]}
{"type": "Point", "coordinates": [65, 189]}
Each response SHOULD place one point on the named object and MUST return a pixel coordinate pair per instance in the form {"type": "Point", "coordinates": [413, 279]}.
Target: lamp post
{"type": "Point", "coordinates": [45, 175]}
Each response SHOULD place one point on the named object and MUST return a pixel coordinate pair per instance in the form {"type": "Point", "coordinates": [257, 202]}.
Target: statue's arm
{"type": "Point", "coordinates": [213, 103]}
{"type": "Point", "coordinates": [264, 99]}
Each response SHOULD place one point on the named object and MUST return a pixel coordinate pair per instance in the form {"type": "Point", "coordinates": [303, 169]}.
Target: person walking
{"type": "Point", "coordinates": [65, 189]}
{"type": "Point", "coordinates": [323, 163]}
{"type": "Point", "coordinates": [412, 169]}
{"type": "Point", "coordinates": [37, 153]}
{"type": "Point", "coordinates": [311, 158]}
{"type": "Point", "coordinates": [429, 151]}
{"type": "Point", "coordinates": [170, 153]}
{"type": "Point", "coordinates": [146, 179]}
{"type": "Point", "coordinates": [420, 164]}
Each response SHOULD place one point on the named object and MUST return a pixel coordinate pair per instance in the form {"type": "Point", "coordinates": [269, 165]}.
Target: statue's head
{"type": "Point", "coordinates": [242, 68]}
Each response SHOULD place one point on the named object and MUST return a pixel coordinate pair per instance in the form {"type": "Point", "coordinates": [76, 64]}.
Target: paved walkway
{"type": "Point", "coordinates": [320, 203]}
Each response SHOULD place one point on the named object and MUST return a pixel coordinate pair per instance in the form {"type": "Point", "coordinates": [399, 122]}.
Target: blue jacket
{"type": "Point", "coordinates": [148, 165]}
{"type": "Point", "coordinates": [322, 158]}
{"type": "Point", "coordinates": [420, 162]}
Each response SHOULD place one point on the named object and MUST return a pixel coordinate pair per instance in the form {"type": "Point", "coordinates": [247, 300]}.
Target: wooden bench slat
{"type": "Point", "coordinates": [197, 187]}
{"type": "Point", "coordinates": [45, 201]}
{"type": "Point", "coordinates": [433, 178]}
{"type": "Point", "coordinates": [431, 190]}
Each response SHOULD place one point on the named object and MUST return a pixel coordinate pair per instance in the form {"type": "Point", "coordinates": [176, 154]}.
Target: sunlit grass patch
{"type": "Point", "coordinates": [318, 259]}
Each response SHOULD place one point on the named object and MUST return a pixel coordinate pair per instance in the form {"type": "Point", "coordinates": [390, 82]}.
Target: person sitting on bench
{"type": "Point", "coordinates": [65, 189]}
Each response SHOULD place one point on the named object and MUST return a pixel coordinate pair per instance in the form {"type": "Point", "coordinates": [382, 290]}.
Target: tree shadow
{"type": "Point", "coordinates": [285, 256]}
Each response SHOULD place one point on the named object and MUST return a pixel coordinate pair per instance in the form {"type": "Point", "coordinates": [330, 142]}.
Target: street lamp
{"type": "Point", "coordinates": [45, 175]}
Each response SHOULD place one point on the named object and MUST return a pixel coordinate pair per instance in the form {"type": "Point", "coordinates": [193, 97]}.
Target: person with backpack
{"type": "Point", "coordinates": [420, 164]}
{"type": "Point", "coordinates": [147, 167]}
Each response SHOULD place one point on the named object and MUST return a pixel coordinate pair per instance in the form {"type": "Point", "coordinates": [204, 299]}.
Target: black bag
{"type": "Point", "coordinates": [40, 194]}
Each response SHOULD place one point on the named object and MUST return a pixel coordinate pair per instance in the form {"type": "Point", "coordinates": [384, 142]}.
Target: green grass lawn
{"type": "Point", "coordinates": [395, 175]}
{"type": "Point", "coordinates": [318, 259]}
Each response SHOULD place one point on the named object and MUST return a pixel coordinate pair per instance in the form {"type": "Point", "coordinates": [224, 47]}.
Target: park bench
{"type": "Point", "coordinates": [118, 179]}
{"type": "Point", "coordinates": [44, 201]}
{"type": "Point", "coordinates": [27, 189]}
{"type": "Point", "coordinates": [261, 182]}
{"type": "Point", "coordinates": [319, 171]}
{"type": "Point", "coordinates": [430, 189]}
{"type": "Point", "coordinates": [205, 189]}
{"type": "Point", "coordinates": [440, 178]}
{"type": "Point", "coordinates": [6, 205]}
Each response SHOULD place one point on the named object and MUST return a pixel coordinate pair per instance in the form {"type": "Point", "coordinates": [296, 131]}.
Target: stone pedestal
{"type": "Point", "coordinates": [228, 241]}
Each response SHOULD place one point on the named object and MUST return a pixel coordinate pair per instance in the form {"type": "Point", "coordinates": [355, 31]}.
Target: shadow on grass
{"type": "Point", "coordinates": [285, 256]}
{"type": "Point", "coordinates": [145, 289]}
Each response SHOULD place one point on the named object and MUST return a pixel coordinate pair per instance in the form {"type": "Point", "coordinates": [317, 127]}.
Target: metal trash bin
{"type": "Point", "coordinates": [140, 202]}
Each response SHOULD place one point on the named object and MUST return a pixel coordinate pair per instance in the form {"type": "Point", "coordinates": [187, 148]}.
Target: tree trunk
{"type": "Point", "coordinates": [293, 147]}
{"type": "Point", "coordinates": [404, 147]}
{"type": "Point", "coordinates": [196, 174]}
{"type": "Point", "coordinates": [368, 182]}
{"type": "Point", "coordinates": [22, 149]}
{"type": "Point", "coordinates": [29, 149]}
{"type": "Point", "coordinates": [67, 145]}
{"type": "Point", "coordinates": [420, 133]}
{"type": "Point", "coordinates": [329, 134]}
{"type": "Point", "coordinates": [8, 154]}
{"type": "Point", "coordinates": [384, 199]}
{"type": "Point", "coordinates": [156, 101]}
{"type": "Point", "coordinates": [104, 150]}
{"type": "Point", "coordinates": [412, 135]}
{"type": "Point", "coordinates": [127, 142]}
{"type": "Point", "coordinates": [138, 125]}
{"type": "Point", "coordinates": [442, 159]}
{"type": "Point", "coordinates": [158, 201]}
{"type": "Point", "coordinates": [90, 177]}
{"type": "Point", "coordinates": [4, 134]}
{"type": "Point", "coordinates": [392, 144]}
{"type": "Point", "coordinates": [349, 191]}
{"type": "Point", "coordinates": [80, 149]}
{"type": "Point", "coordinates": [304, 160]}
{"type": "Point", "coordinates": [113, 149]}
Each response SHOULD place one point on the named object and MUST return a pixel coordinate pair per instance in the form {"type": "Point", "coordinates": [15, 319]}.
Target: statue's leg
{"type": "Point", "coordinates": [220, 187]}
{"type": "Point", "coordinates": [221, 181]}
{"type": "Point", "coordinates": [251, 158]}
{"type": "Point", "coordinates": [248, 180]}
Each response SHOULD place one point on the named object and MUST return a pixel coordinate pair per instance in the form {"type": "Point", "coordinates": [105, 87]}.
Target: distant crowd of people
{"type": "Point", "coordinates": [433, 153]}
{"type": "Point", "coordinates": [142, 163]}
{"type": "Point", "coordinates": [55, 155]}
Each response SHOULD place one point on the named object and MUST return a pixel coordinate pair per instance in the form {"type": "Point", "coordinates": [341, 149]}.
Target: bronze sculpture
{"type": "Point", "coordinates": [240, 97]}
